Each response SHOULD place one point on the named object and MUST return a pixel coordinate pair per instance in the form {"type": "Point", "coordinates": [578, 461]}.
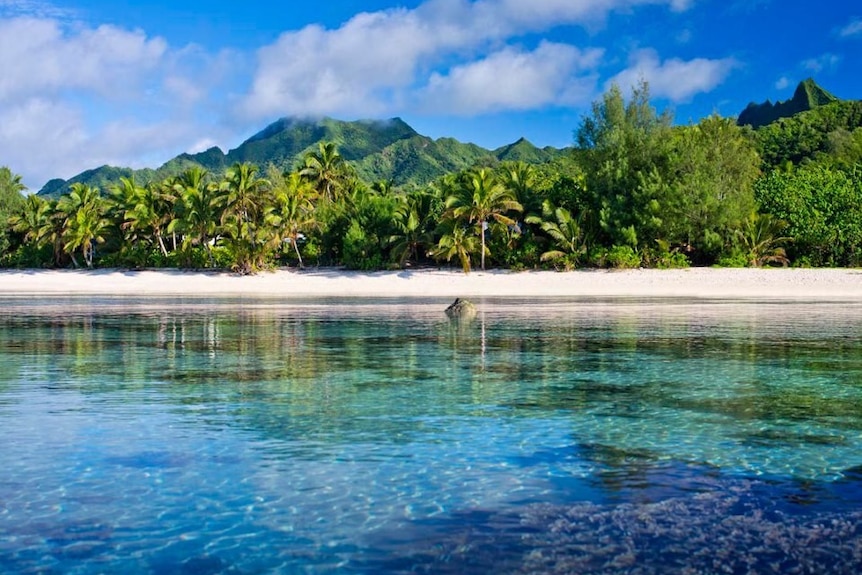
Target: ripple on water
{"type": "Point", "coordinates": [591, 438]}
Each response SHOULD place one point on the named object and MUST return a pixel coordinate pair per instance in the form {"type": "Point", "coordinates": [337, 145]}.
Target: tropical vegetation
{"type": "Point", "coordinates": [635, 190]}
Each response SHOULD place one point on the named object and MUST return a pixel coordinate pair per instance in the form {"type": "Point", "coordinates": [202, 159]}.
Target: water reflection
{"type": "Point", "coordinates": [757, 378]}
{"type": "Point", "coordinates": [348, 431]}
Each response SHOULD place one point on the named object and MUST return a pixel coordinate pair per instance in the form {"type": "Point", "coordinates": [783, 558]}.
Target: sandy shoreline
{"type": "Point", "coordinates": [710, 283]}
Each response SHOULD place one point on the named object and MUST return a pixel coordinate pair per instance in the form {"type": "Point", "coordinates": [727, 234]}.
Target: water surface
{"type": "Point", "coordinates": [160, 435]}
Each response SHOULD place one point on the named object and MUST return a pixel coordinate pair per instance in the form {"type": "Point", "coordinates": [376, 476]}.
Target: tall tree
{"type": "Point", "coordinates": [624, 146]}
{"type": "Point", "coordinates": [198, 210]}
{"type": "Point", "coordinates": [245, 203]}
{"type": "Point", "coordinates": [145, 211]}
{"type": "Point", "coordinates": [325, 167]}
{"type": "Point", "coordinates": [477, 198]}
{"type": "Point", "coordinates": [11, 202]}
{"type": "Point", "coordinates": [412, 223]}
{"type": "Point", "coordinates": [293, 210]}
{"type": "Point", "coordinates": [713, 168]}
{"type": "Point", "coordinates": [84, 221]}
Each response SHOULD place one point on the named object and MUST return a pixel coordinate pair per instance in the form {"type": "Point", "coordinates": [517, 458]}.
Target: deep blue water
{"type": "Point", "coordinates": [264, 436]}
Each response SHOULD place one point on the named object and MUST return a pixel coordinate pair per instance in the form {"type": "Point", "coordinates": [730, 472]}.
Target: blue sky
{"type": "Point", "coordinates": [133, 83]}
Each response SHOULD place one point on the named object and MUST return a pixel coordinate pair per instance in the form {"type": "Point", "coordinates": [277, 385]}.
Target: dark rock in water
{"type": "Point", "coordinates": [461, 309]}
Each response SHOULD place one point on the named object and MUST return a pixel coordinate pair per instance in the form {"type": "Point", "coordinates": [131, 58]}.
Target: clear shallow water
{"type": "Point", "coordinates": [254, 436]}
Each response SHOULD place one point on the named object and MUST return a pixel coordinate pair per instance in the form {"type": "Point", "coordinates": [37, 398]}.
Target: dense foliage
{"type": "Point", "coordinates": [635, 191]}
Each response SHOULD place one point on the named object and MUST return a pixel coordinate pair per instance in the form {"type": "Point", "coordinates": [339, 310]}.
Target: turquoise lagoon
{"type": "Point", "coordinates": [159, 435]}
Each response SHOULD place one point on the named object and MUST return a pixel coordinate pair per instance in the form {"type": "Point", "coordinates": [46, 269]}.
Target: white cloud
{"type": "Point", "coordinates": [782, 83]}
{"type": "Point", "coordinates": [64, 87]}
{"type": "Point", "coordinates": [513, 79]}
{"type": "Point", "coordinates": [375, 61]}
{"type": "Point", "coordinates": [674, 79]}
{"type": "Point", "coordinates": [39, 133]}
{"type": "Point", "coordinates": [43, 139]}
{"type": "Point", "coordinates": [825, 62]}
{"type": "Point", "coordinates": [40, 57]}
{"type": "Point", "coordinates": [854, 28]}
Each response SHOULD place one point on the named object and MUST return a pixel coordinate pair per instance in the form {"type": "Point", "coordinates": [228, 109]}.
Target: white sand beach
{"type": "Point", "coordinates": [710, 283]}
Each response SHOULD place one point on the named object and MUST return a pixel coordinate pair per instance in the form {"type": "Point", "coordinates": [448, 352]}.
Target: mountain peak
{"type": "Point", "coordinates": [807, 96]}
{"type": "Point", "coordinates": [809, 92]}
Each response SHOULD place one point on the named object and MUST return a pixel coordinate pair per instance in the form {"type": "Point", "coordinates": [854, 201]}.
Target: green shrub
{"type": "Point", "coordinates": [672, 260]}
{"type": "Point", "coordinates": [28, 256]}
{"type": "Point", "coordinates": [622, 257]}
{"type": "Point", "coordinates": [734, 260]}
{"type": "Point", "coordinates": [359, 251]}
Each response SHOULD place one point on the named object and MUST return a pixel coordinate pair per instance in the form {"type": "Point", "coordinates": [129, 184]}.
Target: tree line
{"type": "Point", "coordinates": [636, 191]}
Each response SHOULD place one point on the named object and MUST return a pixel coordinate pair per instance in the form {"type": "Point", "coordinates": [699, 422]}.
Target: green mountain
{"type": "Point", "coordinates": [377, 149]}
{"type": "Point", "coordinates": [808, 96]}
{"type": "Point", "coordinates": [833, 130]}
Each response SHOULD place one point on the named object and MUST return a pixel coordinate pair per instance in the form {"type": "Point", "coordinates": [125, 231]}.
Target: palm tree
{"type": "Point", "coordinates": [411, 222]}
{"type": "Point", "coordinates": [30, 221]}
{"type": "Point", "coordinates": [123, 199]}
{"type": "Point", "coordinates": [293, 211]}
{"type": "Point", "coordinates": [197, 210]}
{"type": "Point", "coordinates": [326, 169]}
{"type": "Point", "coordinates": [478, 197]}
{"type": "Point", "coordinates": [760, 238]}
{"type": "Point", "coordinates": [242, 198]}
{"type": "Point", "coordinates": [84, 221]}
{"type": "Point", "coordinates": [566, 233]}
{"type": "Point", "coordinates": [39, 224]}
{"type": "Point", "coordinates": [456, 241]}
{"type": "Point", "coordinates": [11, 188]}
{"type": "Point", "coordinates": [146, 211]}
{"type": "Point", "coordinates": [520, 179]}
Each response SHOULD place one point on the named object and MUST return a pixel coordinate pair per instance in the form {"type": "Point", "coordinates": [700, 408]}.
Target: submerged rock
{"type": "Point", "coordinates": [461, 309]}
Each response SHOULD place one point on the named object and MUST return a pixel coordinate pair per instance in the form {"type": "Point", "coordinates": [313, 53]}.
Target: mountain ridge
{"type": "Point", "coordinates": [807, 96]}
{"type": "Point", "coordinates": [377, 149]}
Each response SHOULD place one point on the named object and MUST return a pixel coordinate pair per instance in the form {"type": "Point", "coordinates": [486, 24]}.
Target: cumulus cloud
{"type": "Point", "coordinates": [513, 79]}
{"type": "Point", "coordinates": [675, 79]}
{"type": "Point", "coordinates": [44, 138]}
{"type": "Point", "coordinates": [40, 132]}
{"type": "Point", "coordinates": [75, 96]}
{"type": "Point", "coordinates": [782, 83]}
{"type": "Point", "coordinates": [854, 28]}
{"type": "Point", "coordinates": [375, 60]}
{"type": "Point", "coordinates": [65, 88]}
{"type": "Point", "coordinates": [38, 56]}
